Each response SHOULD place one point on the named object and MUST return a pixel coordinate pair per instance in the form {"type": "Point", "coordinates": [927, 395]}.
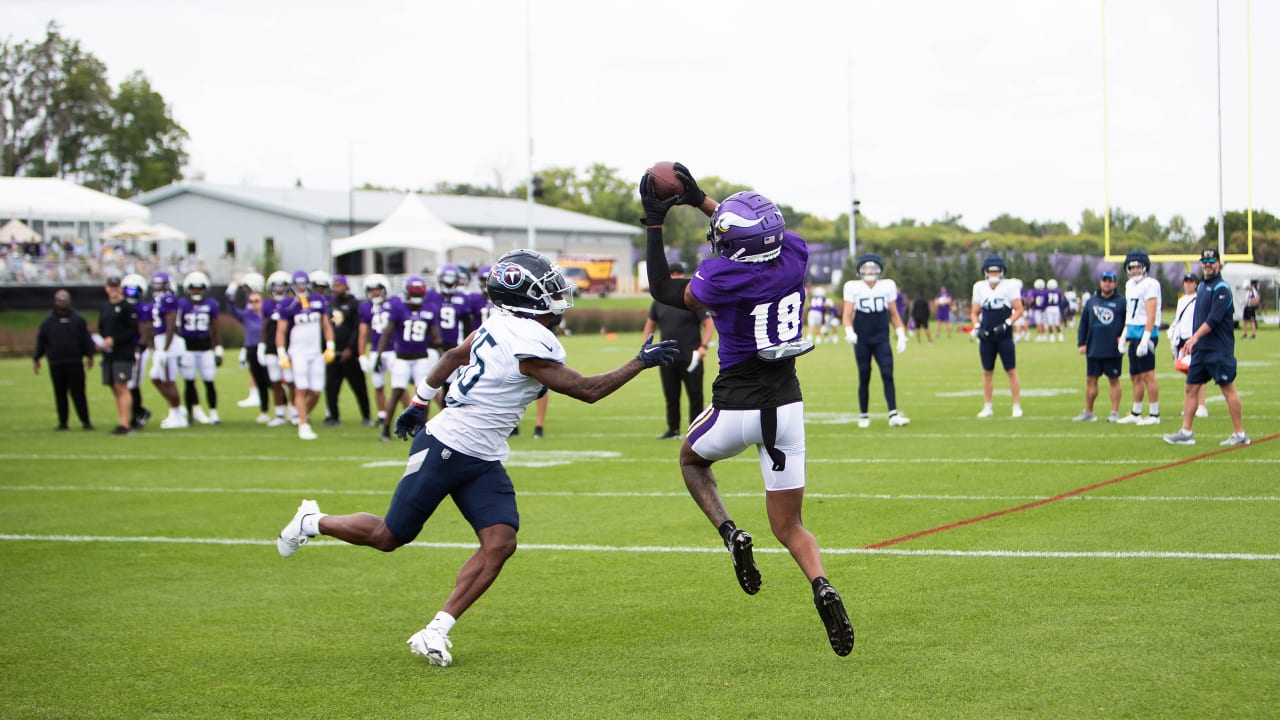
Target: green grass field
{"type": "Point", "coordinates": [141, 578]}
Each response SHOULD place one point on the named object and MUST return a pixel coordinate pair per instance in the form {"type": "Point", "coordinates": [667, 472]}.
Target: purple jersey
{"type": "Point", "coordinates": [1053, 298]}
{"type": "Point", "coordinates": [163, 305]}
{"type": "Point", "coordinates": [1039, 299]}
{"type": "Point", "coordinates": [754, 305]}
{"type": "Point", "coordinates": [376, 316]}
{"type": "Point", "coordinates": [144, 313]}
{"type": "Point", "coordinates": [411, 327]}
{"type": "Point", "coordinates": [455, 310]}
{"type": "Point", "coordinates": [195, 320]}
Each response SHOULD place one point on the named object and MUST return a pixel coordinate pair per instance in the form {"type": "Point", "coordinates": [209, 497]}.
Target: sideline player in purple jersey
{"type": "Point", "coordinates": [375, 313]}
{"type": "Point", "coordinates": [198, 325]}
{"type": "Point", "coordinates": [413, 331]}
{"type": "Point", "coordinates": [754, 287]}
{"type": "Point", "coordinates": [281, 378]}
{"type": "Point", "coordinates": [166, 349]}
{"type": "Point", "coordinates": [134, 287]}
{"type": "Point", "coordinates": [458, 313]}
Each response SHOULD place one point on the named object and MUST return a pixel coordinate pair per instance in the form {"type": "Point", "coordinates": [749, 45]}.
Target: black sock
{"type": "Point", "coordinates": [726, 529]}
{"type": "Point", "coordinates": [211, 394]}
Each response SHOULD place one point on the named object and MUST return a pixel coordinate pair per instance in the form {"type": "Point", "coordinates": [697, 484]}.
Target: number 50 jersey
{"type": "Point", "coordinates": [490, 394]}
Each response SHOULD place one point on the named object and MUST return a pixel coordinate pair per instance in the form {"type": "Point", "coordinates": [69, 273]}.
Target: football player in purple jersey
{"type": "Point", "coordinates": [413, 331]}
{"type": "Point", "coordinates": [457, 313]}
{"type": "Point", "coordinates": [135, 291]}
{"type": "Point", "coordinates": [375, 313]}
{"type": "Point", "coordinates": [166, 349]}
{"type": "Point", "coordinates": [753, 284]}
{"type": "Point", "coordinates": [281, 378]}
{"type": "Point", "coordinates": [301, 323]}
{"type": "Point", "coordinates": [198, 325]}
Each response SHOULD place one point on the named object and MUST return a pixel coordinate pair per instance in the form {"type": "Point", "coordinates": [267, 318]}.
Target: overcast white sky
{"type": "Point", "coordinates": [966, 107]}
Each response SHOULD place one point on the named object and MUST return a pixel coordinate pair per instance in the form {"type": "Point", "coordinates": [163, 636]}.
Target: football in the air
{"type": "Point", "coordinates": [665, 182]}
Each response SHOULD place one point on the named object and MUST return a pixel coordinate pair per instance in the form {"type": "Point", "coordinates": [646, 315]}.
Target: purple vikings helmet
{"type": "Point", "coordinates": [415, 290]}
{"type": "Point", "coordinates": [450, 278]}
{"type": "Point", "coordinates": [747, 227]}
{"type": "Point", "coordinates": [301, 282]}
{"type": "Point", "coordinates": [160, 283]}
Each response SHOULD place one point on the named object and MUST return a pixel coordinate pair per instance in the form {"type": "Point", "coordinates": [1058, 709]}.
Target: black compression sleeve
{"type": "Point", "coordinates": [662, 287]}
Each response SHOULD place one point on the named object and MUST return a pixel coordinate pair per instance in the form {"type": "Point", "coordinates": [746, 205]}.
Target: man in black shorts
{"type": "Point", "coordinates": [118, 328]}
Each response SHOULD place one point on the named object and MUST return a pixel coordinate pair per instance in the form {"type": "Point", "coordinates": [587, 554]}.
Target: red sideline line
{"type": "Point", "coordinates": [1077, 491]}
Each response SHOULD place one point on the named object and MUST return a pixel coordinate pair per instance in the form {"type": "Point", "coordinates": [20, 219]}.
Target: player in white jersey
{"type": "Point", "coordinates": [869, 310]}
{"type": "Point", "coordinates": [1142, 296]}
{"type": "Point", "coordinates": [504, 365]}
{"type": "Point", "coordinates": [995, 311]}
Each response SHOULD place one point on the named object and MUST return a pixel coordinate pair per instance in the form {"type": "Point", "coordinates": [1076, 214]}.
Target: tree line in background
{"type": "Point", "coordinates": [60, 117]}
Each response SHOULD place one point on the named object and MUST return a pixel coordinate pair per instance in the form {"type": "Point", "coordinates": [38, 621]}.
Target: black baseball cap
{"type": "Point", "coordinates": [1210, 256]}
{"type": "Point", "coordinates": [677, 267]}
{"type": "Point", "coordinates": [1190, 277]}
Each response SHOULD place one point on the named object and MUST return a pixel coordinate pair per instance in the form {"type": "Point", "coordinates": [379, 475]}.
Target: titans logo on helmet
{"type": "Point", "coordinates": [510, 275]}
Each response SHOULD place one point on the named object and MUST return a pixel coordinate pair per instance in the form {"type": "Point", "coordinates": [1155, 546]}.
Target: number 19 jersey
{"type": "Point", "coordinates": [490, 394]}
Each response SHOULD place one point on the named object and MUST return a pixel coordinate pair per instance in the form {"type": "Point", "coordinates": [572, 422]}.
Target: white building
{"type": "Point", "coordinates": [235, 227]}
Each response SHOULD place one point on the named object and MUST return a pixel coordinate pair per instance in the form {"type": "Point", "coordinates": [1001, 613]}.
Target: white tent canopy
{"type": "Point", "coordinates": [17, 231]}
{"type": "Point", "coordinates": [58, 200]}
{"type": "Point", "coordinates": [412, 225]}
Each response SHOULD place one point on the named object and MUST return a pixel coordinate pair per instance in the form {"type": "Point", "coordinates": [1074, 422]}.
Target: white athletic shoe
{"type": "Point", "coordinates": [986, 413]}
{"type": "Point", "coordinates": [1150, 420]}
{"type": "Point", "coordinates": [1202, 411]}
{"type": "Point", "coordinates": [213, 418]}
{"type": "Point", "coordinates": [198, 414]}
{"type": "Point", "coordinates": [1182, 437]}
{"type": "Point", "coordinates": [864, 422]}
{"type": "Point", "coordinates": [432, 644]}
{"type": "Point", "coordinates": [276, 421]}
{"type": "Point", "coordinates": [263, 419]}
{"type": "Point", "coordinates": [899, 420]}
{"type": "Point", "coordinates": [1113, 417]}
{"type": "Point", "coordinates": [250, 401]}
{"type": "Point", "coordinates": [1130, 419]}
{"type": "Point", "coordinates": [292, 537]}
{"type": "Point", "coordinates": [175, 421]}
{"type": "Point", "coordinates": [1236, 439]}
{"type": "Point", "coordinates": [1085, 416]}
{"type": "Point", "coordinates": [1017, 411]}
{"type": "Point", "coordinates": [305, 432]}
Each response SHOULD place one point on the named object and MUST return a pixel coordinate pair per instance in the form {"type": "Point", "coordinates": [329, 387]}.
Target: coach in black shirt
{"type": "Point", "coordinates": [692, 331]}
{"type": "Point", "coordinates": [64, 338]}
{"type": "Point", "coordinates": [118, 326]}
{"type": "Point", "coordinates": [344, 314]}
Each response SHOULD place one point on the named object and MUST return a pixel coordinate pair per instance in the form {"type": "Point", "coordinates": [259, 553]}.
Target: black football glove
{"type": "Point", "coordinates": [377, 362]}
{"type": "Point", "coordinates": [693, 195]}
{"type": "Point", "coordinates": [655, 208]}
{"type": "Point", "coordinates": [663, 353]}
{"type": "Point", "coordinates": [411, 421]}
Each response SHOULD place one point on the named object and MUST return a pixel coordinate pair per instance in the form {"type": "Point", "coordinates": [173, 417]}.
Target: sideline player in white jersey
{"type": "Point", "coordinates": [375, 317]}
{"type": "Point", "coordinates": [1053, 303]}
{"type": "Point", "coordinates": [869, 310]}
{"type": "Point", "coordinates": [167, 349]}
{"type": "Point", "coordinates": [302, 322]}
{"type": "Point", "coordinates": [995, 310]}
{"type": "Point", "coordinates": [1142, 296]}
{"type": "Point", "coordinates": [504, 365]}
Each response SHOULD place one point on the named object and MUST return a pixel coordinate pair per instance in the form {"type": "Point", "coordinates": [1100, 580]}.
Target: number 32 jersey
{"type": "Point", "coordinates": [490, 394]}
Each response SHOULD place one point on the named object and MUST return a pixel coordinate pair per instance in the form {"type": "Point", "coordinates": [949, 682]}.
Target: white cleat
{"type": "Point", "coordinates": [1236, 439]}
{"type": "Point", "coordinates": [263, 419]}
{"type": "Point", "coordinates": [1182, 437]}
{"type": "Point", "coordinates": [864, 422]}
{"type": "Point", "coordinates": [433, 645]}
{"type": "Point", "coordinates": [1017, 411]}
{"type": "Point", "coordinates": [276, 422]}
{"type": "Point", "coordinates": [1130, 419]}
{"type": "Point", "coordinates": [1085, 416]}
{"type": "Point", "coordinates": [1202, 411]}
{"type": "Point", "coordinates": [173, 422]}
{"type": "Point", "coordinates": [248, 402]}
{"type": "Point", "coordinates": [198, 414]}
{"type": "Point", "coordinates": [292, 537]}
{"type": "Point", "coordinates": [986, 413]}
{"type": "Point", "coordinates": [305, 432]}
{"type": "Point", "coordinates": [1150, 420]}
{"type": "Point", "coordinates": [899, 420]}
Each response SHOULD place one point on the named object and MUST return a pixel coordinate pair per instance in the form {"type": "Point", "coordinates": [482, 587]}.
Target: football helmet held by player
{"type": "Point", "coordinates": [525, 282]}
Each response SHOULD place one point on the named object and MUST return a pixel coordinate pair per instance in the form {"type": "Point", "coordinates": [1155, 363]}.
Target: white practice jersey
{"type": "Point", "coordinates": [490, 394]}
{"type": "Point", "coordinates": [868, 299]}
{"type": "Point", "coordinates": [1136, 292]}
{"type": "Point", "coordinates": [996, 303]}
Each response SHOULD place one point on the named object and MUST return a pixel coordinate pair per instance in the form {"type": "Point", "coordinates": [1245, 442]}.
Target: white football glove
{"type": "Point", "coordinates": [262, 354]}
{"type": "Point", "coordinates": [902, 341]}
{"type": "Point", "coordinates": [364, 364]}
{"type": "Point", "coordinates": [243, 358]}
{"type": "Point", "coordinates": [974, 332]}
{"type": "Point", "coordinates": [158, 357]}
{"type": "Point", "coordinates": [1123, 345]}
{"type": "Point", "coordinates": [850, 336]}
{"type": "Point", "coordinates": [1144, 346]}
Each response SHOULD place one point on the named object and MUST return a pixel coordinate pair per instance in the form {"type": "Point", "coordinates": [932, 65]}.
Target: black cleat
{"type": "Point", "coordinates": [537, 432]}
{"type": "Point", "coordinates": [744, 564]}
{"type": "Point", "coordinates": [669, 435]}
{"type": "Point", "coordinates": [831, 610]}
